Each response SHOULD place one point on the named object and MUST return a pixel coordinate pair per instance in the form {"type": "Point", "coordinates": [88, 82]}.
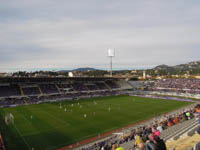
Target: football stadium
{"type": "Point", "coordinates": [89, 113]}
{"type": "Point", "coordinates": [99, 75]}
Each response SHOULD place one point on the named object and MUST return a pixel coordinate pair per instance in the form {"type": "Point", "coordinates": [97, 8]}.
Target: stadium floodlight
{"type": "Point", "coordinates": [111, 54]}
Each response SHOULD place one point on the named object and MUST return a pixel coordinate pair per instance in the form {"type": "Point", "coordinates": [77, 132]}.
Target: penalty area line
{"type": "Point", "coordinates": [22, 137]}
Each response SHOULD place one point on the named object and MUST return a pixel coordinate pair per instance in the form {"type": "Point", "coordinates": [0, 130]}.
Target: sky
{"type": "Point", "coordinates": [54, 34]}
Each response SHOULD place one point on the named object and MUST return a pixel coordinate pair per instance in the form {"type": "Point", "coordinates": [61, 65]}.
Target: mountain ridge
{"type": "Point", "coordinates": [190, 65]}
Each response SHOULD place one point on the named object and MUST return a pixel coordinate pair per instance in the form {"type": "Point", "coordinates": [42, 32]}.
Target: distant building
{"type": "Point", "coordinates": [70, 74]}
{"type": "Point", "coordinates": [134, 71]}
{"type": "Point", "coordinates": [144, 74]}
{"type": "Point", "coordinates": [197, 77]}
{"type": "Point", "coordinates": [5, 74]}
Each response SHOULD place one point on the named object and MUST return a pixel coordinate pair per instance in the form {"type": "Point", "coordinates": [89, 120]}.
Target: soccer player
{"type": "Point", "coordinates": [65, 109]}
{"type": "Point", "coordinates": [85, 115]}
{"type": "Point", "coordinates": [109, 109]}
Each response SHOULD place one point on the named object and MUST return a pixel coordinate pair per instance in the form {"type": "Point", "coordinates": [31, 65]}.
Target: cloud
{"type": "Point", "coordinates": [69, 34]}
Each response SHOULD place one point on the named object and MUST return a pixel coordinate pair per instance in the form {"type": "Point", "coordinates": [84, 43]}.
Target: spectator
{"type": "Point", "coordinates": [120, 148]}
{"type": "Point", "coordinates": [188, 115]}
{"type": "Point", "coordinates": [150, 145]}
{"type": "Point", "coordinates": [170, 123]}
{"type": "Point", "coordinates": [160, 127]}
{"type": "Point", "coordinates": [117, 147]}
{"type": "Point", "coordinates": [138, 139]}
{"type": "Point", "coordinates": [160, 143]}
{"type": "Point", "coordinates": [176, 120]}
{"type": "Point", "coordinates": [155, 132]}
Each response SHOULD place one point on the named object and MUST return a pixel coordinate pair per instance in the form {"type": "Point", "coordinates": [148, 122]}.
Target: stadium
{"type": "Point", "coordinates": [91, 113]}
{"type": "Point", "coordinates": [99, 75]}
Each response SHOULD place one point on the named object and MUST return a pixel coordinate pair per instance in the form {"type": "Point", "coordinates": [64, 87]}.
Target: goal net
{"type": "Point", "coordinates": [9, 119]}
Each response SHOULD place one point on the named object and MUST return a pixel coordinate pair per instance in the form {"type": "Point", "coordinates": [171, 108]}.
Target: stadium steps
{"type": "Point", "coordinates": [25, 102]}
{"type": "Point", "coordinates": [40, 90]}
{"type": "Point", "coordinates": [176, 131]}
{"type": "Point", "coordinates": [87, 88]}
{"type": "Point", "coordinates": [128, 145]}
{"type": "Point", "coordinates": [124, 85]}
{"type": "Point", "coordinates": [192, 131]}
{"type": "Point", "coordinates": [196, 146]}
{"type": "Point", "coordinates": [107, 86]}
{"type": "Point", "coordinates": [57, 88]}
{"type": "Point", "coordinates": [184, 131]}
{"type": "Point", "coordinates": [21, 90]}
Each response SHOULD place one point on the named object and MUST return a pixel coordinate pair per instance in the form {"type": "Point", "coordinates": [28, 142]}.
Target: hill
{"type": "Point", "coordinates": [80, 70]}
{"type": "Point", "coordinates": [191, 67]}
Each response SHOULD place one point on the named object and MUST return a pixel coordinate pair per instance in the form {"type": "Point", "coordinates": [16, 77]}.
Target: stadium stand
{"type": "Point", "coordinates": [9, 90]}
{"type": "Point", "coordinates": [112, 84]}
{"type": "Point", "coordinates": [179, 85]}
{"type": "Point", "coordinates": [191, 86]}
{"type": "Point", "coordinates": [184, 143]}
{"type": "Point", "coordinates": [101, 85]}
{"type": "Point", "coordinates": [48, 88]}
{"type": "Point", "coordinates": [31, 90]}
{"type": "Point", "coordinates": [124, 85]}
{"type": "Point", "coordinates": [175, 87]}
{"type": "Point", "coordinates": [20, 91]}
{"type": "Point", "coordinates": [169, 127]}
{"type": "Point", "coordinates": [91, 86]}
{"type": "Point", "coordinates": [79, 86]}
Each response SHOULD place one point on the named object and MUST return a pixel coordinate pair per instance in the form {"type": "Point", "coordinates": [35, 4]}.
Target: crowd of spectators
{"type": "Point", "coordinates": [34, 99]}
{"type": "Point", "coordinates": [16, 92]}
{"type": "Point", "coordinates": [145, 137]}
{"type": "Point", "coordinates": [191, 86]}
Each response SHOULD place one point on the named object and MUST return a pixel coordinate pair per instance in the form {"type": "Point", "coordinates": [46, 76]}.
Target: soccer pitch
{"type": "Point", "coordinates": [54, 125]}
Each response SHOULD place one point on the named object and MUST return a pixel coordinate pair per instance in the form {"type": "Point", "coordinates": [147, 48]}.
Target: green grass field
{"type": "Point", "coordinates": [50, 127]}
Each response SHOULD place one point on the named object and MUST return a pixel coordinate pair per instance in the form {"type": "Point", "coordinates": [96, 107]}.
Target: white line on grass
{"type": "Point", "coordinates": [63, 122]}
{"type": "Point", "coordinates": [65, 144]}
{"type": "Point", "coordinates": [22, 137]}
{"type": "Point", "coordinates": [43, 131]}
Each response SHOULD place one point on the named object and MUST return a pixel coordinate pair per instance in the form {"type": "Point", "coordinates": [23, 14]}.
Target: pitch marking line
{"type": "Point", "coordinates": [63, 122]}
{"type": "Point", "coordinates": [59, 145]}
{"type": "Point", "coordinates": [22, 137]}
{"type": "Point", "coordinates": [43, 131]}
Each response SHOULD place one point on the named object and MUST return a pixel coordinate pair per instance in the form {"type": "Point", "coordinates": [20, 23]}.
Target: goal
{"type": "Point", "coordinates": [9, 119]}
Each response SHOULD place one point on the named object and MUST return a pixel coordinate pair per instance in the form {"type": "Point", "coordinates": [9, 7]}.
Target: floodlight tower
{"type": "Point", "coordinates": [111, 54]}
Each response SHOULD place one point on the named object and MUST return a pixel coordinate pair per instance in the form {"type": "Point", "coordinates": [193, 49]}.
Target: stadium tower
{"type": "Point", "coordinates": [111, 54]}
